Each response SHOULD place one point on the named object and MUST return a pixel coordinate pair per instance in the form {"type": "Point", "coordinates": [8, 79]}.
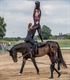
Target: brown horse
{"type": "Point", "coordinates": [49, 48]}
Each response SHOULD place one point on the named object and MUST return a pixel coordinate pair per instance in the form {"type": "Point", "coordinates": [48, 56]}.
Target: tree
{"type": "Point", "coordinates": [46, 32]}
{"type": "Point", "coordinates": [2, 27]}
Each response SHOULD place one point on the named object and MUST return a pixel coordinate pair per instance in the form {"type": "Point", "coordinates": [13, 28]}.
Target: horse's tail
{"type": "Point", "coordinates": [61, 57]}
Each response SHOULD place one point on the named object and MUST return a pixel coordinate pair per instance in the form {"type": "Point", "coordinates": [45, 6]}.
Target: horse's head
{"type": "Point", "coordinates": [13, 54]}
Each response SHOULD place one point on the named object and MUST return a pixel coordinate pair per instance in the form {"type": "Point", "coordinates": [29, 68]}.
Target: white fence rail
{"type": "Point", "coordinates": [65, 47]}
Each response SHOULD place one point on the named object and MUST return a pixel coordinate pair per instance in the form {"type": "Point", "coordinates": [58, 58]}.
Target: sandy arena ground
{"type": "Point", "coordinates": [10, 70]}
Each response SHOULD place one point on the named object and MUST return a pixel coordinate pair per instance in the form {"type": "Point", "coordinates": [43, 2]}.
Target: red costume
{"type": "Point", "coordinates": [36, 18]}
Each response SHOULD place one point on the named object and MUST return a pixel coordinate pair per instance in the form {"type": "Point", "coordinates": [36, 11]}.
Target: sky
{"type": "Point", "coordinates": [18, 13]}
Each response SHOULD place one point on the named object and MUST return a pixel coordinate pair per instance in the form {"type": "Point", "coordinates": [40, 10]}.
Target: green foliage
{"type": "Point", "coordinates": [63, 36]}
{"type": "Point", "coordinates": [2, 27]}
{"type": "Point", "coordinates": [67, 37]}
{"type": "Point", "coordinates": [46, 32]}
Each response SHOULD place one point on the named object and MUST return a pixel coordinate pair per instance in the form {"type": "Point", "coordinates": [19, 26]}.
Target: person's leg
{"type": "Point", "coordinates": [40, 32]}
{"type": "Point", "coordinates": [34, 45]}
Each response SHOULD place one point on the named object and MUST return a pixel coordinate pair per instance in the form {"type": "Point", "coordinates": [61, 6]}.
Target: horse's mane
{"type": "Point", "coordinates": [17, 45]}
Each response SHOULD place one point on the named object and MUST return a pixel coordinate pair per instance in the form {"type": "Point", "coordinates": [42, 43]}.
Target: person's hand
{"type": "Point", "coordinates": [31, 28]}
{"type": "Point", "coordinates": [37, 22]}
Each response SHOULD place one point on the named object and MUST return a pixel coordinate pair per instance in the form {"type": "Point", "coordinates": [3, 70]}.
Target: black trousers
{"type": "Point", "coordinates": [39, 31]}
{"type": "Point", "coordinates": [32, 42]}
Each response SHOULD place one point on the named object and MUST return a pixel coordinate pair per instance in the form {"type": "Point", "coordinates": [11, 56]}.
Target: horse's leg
{"type": "Point", "coordinates": [23, 64]}
{"type": "Point", "coordinates": [52, 67]}
{"type": "Point", "coordinates": [54, 61]}
{"type": "Point", "coordinates": [59, 65]}
{"type": "Point", "coordinates": [59, 74]}
{"type": "Point", "coordinates": [52, 70]}
{"type": "Point", "coordinates": [56, 58]}
{"type": "Point", "coordinates": [34, 62]}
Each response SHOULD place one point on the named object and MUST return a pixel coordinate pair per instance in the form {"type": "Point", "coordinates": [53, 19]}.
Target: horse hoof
{"type": "Point", "coordinates": [19, 74]}
{"type": "Point", "coordinates": [59, 71]}
{"type": "Point", "coordinates": [59, 75]}
{"type": "Point", "coordinates": [50, 77]}
{"type": "Point", "coordinates": [38, 73]}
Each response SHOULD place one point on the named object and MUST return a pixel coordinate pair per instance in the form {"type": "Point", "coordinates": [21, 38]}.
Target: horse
{"type": "Point", "coordinates": [50, 48]}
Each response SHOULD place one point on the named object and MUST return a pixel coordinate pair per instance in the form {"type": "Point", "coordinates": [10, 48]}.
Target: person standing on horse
{"type": "Point", "coordinates": [30, 39]}
{"type": "Point", "coordinates": [36, 18]}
